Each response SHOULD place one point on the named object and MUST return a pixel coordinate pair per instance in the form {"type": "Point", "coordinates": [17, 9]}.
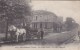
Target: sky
{"type": "Point", "coordinates": [60, 8]}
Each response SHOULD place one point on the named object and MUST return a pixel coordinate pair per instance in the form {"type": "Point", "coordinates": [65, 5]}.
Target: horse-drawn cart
{"type": "Point", "coordinates": [33, 34]}
{"type": "Point", "coordinates": [22, 34]}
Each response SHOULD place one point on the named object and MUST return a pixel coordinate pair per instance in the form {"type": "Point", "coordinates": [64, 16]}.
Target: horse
{"type": "Point", "coordinates": [21, 32]}
{"type": "Point", "coordinates": [18, 33]}
{"type": "Point", "coordinates": [12, 31]}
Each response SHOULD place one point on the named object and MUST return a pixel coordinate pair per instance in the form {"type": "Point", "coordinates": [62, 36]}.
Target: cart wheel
{"type": "Point", "coordinates": [38, 37]}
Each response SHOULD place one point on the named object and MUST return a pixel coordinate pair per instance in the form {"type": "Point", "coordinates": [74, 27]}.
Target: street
{"type": "Point", "coordinates": [50, 39]}
{"type": "Point", "coordinates": [49, 42]}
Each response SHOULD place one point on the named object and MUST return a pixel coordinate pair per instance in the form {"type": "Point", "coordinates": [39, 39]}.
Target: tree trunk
{"type": "Point", "coordinates": [6, 35]}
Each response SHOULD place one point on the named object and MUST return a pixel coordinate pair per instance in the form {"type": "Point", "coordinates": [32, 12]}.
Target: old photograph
{"type": "Point", "coordinates": [40, 23]}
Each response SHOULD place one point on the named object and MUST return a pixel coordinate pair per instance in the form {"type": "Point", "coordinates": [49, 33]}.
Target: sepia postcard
{"type": "Point", "coordinates": [39, 24]}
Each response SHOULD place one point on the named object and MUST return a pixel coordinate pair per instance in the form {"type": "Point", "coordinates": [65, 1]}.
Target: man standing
{"type": "Point", "coordinates": [79, 35]}
{"type": "Point", "coordinates": [42, 34]}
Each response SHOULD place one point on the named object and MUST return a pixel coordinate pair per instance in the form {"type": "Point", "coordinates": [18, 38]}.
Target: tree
{"type": "Point", "coordinates": [14, 11]}
{"type": "Point", "coordinates": [70, 23]}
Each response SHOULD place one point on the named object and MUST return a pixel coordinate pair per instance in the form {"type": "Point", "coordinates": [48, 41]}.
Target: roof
{"type": "Point", "coordinates": [44, 16]}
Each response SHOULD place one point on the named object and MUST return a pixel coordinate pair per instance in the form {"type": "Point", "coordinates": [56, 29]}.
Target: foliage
{"type": "Point", "coordinates": [13, 12]}
{"type": "Point", "coordinates": [10, 11]}
{"type": "Point", "coordinates": [70, 23]}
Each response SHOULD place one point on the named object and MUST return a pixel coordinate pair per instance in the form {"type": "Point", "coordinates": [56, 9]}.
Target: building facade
{"type": "Point", "coordinates": [45, 20]}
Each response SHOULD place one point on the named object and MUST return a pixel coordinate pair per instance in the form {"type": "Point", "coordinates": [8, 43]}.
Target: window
{"type": "Point", "coordinates": [35, 25]}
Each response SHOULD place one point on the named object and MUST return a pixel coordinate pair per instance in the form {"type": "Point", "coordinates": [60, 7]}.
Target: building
{"type": "Point", "coordinates": [45, 20]}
